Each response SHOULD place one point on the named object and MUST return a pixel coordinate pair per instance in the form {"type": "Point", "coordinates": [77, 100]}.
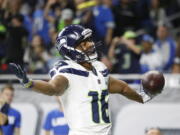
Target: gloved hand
{"type": "Point", "coordinates": [21, 75]}
{"type": "Point", "coordinates": [146, 96]}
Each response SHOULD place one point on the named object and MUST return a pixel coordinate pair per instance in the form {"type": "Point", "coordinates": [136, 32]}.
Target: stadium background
{"type": "Point", "coordinates": [27, 34]}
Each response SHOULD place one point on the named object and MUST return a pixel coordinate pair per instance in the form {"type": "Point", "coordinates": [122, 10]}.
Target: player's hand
{"type": "Point", "coordinates": [145, 96]}
{"type": "Point", "coordinates": [21, 75]}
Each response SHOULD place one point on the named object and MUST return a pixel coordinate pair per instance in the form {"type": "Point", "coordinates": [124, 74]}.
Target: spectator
{"type": "Point", "coordinates": [84, 14]}
{"type": "Point", "coordinates": [125, 54]}
{"type": "Point", "coordinates": [27, 23]}
{"type": "Point", "coordinates": [52, 11]}
{"type": "Point", "coordinates": [166, 46]}
{"type": "Point", "coordinates": [36, 56]}
{"type": "Point", "coordinates": [176, 65]}
{"type": "Point", "coordinates": [3, 44]}
{"type": "Point", "coordinates": [153, 131]}
{"type": "Point", "coordinates": [3, 6]}
{"type": "Point", "coordinates": [10, 9]}
{"type": "Point", "coordinates": [3, 35]}
{"type": "Point", "coordinates": [16, 40]}
{"type": "Point", "coordinates": [4, 108]}
{"type": "Point", "coordinates": [150, 59]}
{"type": "Point", "coordinates": [40, 23]}
{"type": "Point", "coordinates": [14, 117]}
{"type": "Point", "coordinates": [157, 13]}
{"type": "Point", "coordinates": [66, 19]}
{"type": "Point", "coordinates": [52, 49]}
{"type": "Point", "coordinates": [13, 8]}
{"type": "Point", "coordinates": [103, 22]}
{"type": "Point", "coordinates": [56, 122]}
{"type": "Point", "coordinates": [172, 9]}
{"type": "Point", "coordinates": [126, 17]}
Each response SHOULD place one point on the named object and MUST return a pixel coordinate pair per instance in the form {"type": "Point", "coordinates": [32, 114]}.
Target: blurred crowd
{"type": "Point", "coordinates": [132, 36]}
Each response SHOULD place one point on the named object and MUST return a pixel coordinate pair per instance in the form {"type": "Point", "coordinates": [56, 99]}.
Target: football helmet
{"type": "Point", "coordinates": [69, 38]}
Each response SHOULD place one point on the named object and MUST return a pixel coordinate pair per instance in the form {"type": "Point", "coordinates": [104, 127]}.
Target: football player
{"type": "Point", "coordinates": [82, 83]}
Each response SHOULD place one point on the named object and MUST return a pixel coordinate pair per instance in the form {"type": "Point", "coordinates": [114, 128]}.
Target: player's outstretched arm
{"type": "Point", "coordinates": [53, 87]}
{"type": "Point", "coordinates": [121, 87]}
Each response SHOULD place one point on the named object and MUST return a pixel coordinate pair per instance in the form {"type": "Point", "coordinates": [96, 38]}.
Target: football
{"type": "Point", "coordinates": [153, 82]}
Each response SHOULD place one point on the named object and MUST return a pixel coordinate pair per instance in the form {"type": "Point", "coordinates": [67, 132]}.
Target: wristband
{"type": "Point", "coordinates": [30, 84]}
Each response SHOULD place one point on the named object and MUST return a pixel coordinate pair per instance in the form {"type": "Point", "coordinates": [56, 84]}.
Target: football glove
{"type": "Point", "coordinates": [145, 96]}
{"type": "Point", "coordinates": [21, 75]}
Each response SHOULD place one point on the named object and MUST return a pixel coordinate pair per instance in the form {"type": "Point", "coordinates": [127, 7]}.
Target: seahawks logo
{"type": "Point", "coordinates": [75, 35]}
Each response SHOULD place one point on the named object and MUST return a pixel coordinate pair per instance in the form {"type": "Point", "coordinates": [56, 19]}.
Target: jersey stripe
{"type": "Point", "coordinates": [60, 64]}
{"type": "Point", "coordinates": [105, 72]}
{"type": "Point", "coordinates": [52, 73]}
{"type": "Point", "coordinates": [74, 71]}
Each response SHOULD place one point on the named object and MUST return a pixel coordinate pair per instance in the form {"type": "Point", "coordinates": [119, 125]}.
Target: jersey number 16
{"type": "Point", "coordinates": [98, 100]}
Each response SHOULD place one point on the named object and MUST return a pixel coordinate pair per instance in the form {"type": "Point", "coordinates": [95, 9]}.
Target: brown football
{"type": "Point", "coordinates": [153, 82]}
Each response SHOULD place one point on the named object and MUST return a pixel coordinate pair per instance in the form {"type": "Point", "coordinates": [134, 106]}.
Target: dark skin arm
{"type": "Point", "coordinates": [121, 87]}
{"type": "Point", "coordinates": [54, 87]}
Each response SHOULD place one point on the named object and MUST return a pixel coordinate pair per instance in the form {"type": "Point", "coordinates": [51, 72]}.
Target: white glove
{"type": "Point", "coordinates": [146, 97]}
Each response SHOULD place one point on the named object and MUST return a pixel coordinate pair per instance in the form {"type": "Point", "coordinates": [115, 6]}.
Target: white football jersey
{"type": "Point", "coordinates": [85, 101]}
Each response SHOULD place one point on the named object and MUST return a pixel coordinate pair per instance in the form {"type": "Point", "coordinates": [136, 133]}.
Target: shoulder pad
{"type": "Point", "coordinates": [105, 72]}
{"type": "Point", "coordinates": [59, 64]}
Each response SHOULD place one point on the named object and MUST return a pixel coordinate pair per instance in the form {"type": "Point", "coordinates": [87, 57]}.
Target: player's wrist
{"type": "Point", "coordinates": [145, 96]}
{"type": "Point", "coordinates": [28, 84]}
